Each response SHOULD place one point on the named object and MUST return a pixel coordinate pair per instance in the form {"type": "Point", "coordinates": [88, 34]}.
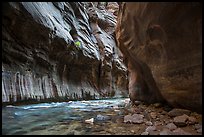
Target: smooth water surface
{"type": "Point", "coordinates": [61, 118]}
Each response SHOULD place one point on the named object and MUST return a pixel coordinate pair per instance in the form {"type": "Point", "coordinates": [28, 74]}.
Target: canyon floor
{"type": "Point", "coordinates": [99, 117]}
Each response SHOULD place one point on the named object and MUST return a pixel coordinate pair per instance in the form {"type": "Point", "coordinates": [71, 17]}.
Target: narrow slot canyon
{"type": "Point", "coordinates": [101, 68]}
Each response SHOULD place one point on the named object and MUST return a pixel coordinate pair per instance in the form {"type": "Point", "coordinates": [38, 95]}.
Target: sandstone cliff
{"type": "Point", "coordinates": [60, 51]}
{"type": "Point", "coordinates": [162, 45]}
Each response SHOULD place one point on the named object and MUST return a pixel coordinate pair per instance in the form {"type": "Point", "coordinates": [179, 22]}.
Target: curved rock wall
{"type": "Point", "coordinates": [59, 51]}
{"type": "Point", "coordinates": [162, 44]}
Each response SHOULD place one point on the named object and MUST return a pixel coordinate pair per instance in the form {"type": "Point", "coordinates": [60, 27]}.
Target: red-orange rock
{"type": "Point", "coordinates": [162, 46]}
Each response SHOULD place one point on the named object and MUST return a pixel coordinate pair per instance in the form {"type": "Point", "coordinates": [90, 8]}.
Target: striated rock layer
{"type": "Point", "coordinates": [59, 51]}
{"type": "Point", "coordinates": [162, 43]}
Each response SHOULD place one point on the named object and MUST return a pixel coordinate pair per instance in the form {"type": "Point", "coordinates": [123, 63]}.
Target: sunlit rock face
{"type": "Point", "coordinates": [162, 45]}
{"type": "Point", "coordinates": [60, 50]}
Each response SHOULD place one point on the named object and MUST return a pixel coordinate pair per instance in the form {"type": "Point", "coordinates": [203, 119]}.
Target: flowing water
{"type": "Point", "coordinates": [64, 117]}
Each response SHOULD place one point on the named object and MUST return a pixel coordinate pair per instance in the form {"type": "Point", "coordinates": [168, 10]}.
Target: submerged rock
{"type": "Point", "coordinates": [100, 117]}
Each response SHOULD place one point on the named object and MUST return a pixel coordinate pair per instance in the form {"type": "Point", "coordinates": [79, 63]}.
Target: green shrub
{"type": "Point", "coordinates": [77, 43]}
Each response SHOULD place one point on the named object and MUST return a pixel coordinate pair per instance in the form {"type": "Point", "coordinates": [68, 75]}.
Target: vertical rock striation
{"type": "Point", "coordinates": [60, 51]}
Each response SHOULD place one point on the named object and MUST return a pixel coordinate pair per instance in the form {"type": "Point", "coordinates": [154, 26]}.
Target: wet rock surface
{"type": "Point", "coordinates": [60, 51]}
{"type": "Point", "coordinates": [100, 117]}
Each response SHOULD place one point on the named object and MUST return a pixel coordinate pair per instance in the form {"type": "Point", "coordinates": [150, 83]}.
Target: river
{"type": "Point", "coordinates": [63, 117]}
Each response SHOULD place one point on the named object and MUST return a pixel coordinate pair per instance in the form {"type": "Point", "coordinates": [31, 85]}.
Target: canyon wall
{"type": "Point", "coordinates": [162, 47]}
{"type": "Point", "coordinates": [60, 51]}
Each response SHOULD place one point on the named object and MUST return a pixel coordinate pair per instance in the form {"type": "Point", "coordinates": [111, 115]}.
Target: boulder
{"type": "Point", "coordinates": [181, 120]}
{"type": "Point", "coordinates": [199, 130]}
{"type": "Point", "coordinates": [192, 120]}
{"type": "Point", "coordinates": [171, 126]}
{"type": "Point", "coordinates": [197, 126]}
{"type": "Point", "coordinates": [180, 131]}
{"type": "Point", "coordinates": [148, 123]}
{"type": "Point", "coordinates": [135, 118]}
{"type": "Point", "coordinates": [128, 119]}
{"type": "Point", "coordinates": [157, 105]}
{"type": "Point", "coordinates": [153, 115]}
{"type": "Point", "coordinates": [145, 133]}
{"type": "Point", "coordinates": [178, 112]}
{"type": "Point", "coordinates": [166, 132]}
{"type": "Point", "coordinates": [150, 128]}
